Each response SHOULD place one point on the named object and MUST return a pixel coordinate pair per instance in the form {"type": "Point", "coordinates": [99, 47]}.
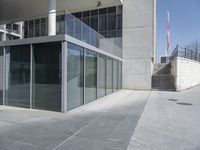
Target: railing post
{"type": "Point", "coordinates": [185, 52]}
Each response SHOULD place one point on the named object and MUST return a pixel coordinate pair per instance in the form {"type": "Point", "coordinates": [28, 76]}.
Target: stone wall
{"type": "Point", "coordinates": [186, 73]}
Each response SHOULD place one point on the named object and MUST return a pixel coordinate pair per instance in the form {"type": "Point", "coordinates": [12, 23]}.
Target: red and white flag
{"type": "Point", "coordinates": [168, 34]}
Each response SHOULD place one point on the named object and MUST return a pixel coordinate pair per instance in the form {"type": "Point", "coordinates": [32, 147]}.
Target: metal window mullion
{"type": "Point", "coordinates": [105, 60]}
{"type": "Point", "coordinates": [64, 78]}
{"type": "Point", "coordinates": [97, 67]}
{"type": "Point", "coordinates": [31, 76]}
{"type": "Point", "coordinates": [4, 75]}
{"type": "Point", "coordinates": [84, 50]}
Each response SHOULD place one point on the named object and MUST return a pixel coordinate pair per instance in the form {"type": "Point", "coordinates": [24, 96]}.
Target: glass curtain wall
{"type": "Point", "coordinates": [18, 76]}
{"type": "Point", "coordinates": [101, 74]}
{"type": "Point", "coordinates": [109, 83]}
{"type": "Point", "coordinates": [1, 75]}
{"type": "Point", "coordinates": [115, 75]}
{"type": "Point", "coordinates": [90, 76]}
{"type": "Point", "coordinates": [75, 67]}
{"type": "Point", "coordinates": [106, 21]}
{"type": "Point", "coordinates": [47, 76]}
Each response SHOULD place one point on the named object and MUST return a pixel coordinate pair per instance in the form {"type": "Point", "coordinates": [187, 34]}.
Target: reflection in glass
{"type": "Point", "coordinates": [90, 76]}
{"type": "Point", "coordinates": [109, 83]}
{"type": "Point", "coordinates": [47, 76]}
{"type": "Point", "coordinates": [115, 75]}
{"type": "Point", "coordinates": [77, 29]}
{"type": "Point", "coordinates": [18, 76]}
{"type": "Point", "coordinates": [1, 75]}
{"type": "Point", "coordinates": [74, 76]}
{"type": "Point", "coordinates": [101, 89]}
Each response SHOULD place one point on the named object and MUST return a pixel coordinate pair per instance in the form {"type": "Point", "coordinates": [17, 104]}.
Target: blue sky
{"type": "Point", "coordinates": [185, 22]}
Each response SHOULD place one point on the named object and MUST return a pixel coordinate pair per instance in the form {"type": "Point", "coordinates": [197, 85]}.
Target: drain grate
{"type": "Point", "coordinates": [186, 104]}
{"type": "Point", "coordinates": [174, 100]}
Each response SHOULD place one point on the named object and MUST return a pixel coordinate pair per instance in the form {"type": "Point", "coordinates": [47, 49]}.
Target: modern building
{"type": "Point", "coordinates": [71, 53]}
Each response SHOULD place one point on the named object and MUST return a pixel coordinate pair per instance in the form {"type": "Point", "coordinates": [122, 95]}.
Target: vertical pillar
{"type": "Point", "coordinates": [21, 30]}
{"type": "Point", "coordinates": [52, 18]}
{"type": "Point", "coordinates": [64, 78]}
{"type": "Point", "coordinates": [4, 33]}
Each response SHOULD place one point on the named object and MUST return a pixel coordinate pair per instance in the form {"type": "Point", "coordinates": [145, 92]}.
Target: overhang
{"type": "Point", "coordinates": [12, 9]}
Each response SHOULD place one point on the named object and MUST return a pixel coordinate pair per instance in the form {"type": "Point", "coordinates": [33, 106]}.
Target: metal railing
{"type": "Point", "coordinates": [185, 53]}
{"type": "Point", "coordinates": [66, 23]}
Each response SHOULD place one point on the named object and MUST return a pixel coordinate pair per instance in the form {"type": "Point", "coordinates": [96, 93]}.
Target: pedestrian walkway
{"type": "Point", "coordinates": [170, 121]}
{"type": "Point", "coordinates": [125, 120]}
{"type": "Point", "coordinates": [105, 124]}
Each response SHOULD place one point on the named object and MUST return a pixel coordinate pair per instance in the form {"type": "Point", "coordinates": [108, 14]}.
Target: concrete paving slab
{"type": "Point", "coordinates": [165, 125]}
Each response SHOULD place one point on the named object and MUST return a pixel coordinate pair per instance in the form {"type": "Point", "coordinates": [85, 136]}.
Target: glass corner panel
{"type": "Point", "coordinates": [47, 76]}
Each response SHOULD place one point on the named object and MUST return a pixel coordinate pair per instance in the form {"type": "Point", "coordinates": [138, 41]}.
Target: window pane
{"type": "Point", "coordinates": [115, 75]}
{"type": "Point", "coordinates": [103, 23]}
{"type": "Point", "coordinates": [111, 22]}
{"type": "Point", "coordinates": [112, 9]}
{"type": "Point", "coordinates": [86, 20]}
{"type": "Point", "coordinates": [94, 12]}
{"type": "Point", "coordinates": [94, 23]}
{"type": "Point", "coordinates": [101, 89]}
{"type": "Point", "coordinates": [44, 27]}
{"type": "Point", "coordinates": [86, 14]}
{"type": "Point", "coordinates": [1, 75]}
{"type": "Point", "coordinates": [47, 76]}
{"type": "Point", "coordinates": [119, 22]}
{"type": "Point", "coordinates": [109, 76]}
{"type": "Point", "coordinates": [90, 76]}
{"type": "Point", "coordinates": [74, 76]}
{"type": "Point", "coordinates": [103, 11]}
{"type": "Point", "coordinates": [18, 76]}
{"type": "Point", "coordinates": [31, 28]}
{"type": "Point", "coordinates": [37, 27]}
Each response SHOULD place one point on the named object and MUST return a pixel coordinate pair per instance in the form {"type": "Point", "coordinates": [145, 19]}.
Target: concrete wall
{"type": "Point", "coordinates": [186, 73]}
{"type": "Point", "coordinates": [139, 24]}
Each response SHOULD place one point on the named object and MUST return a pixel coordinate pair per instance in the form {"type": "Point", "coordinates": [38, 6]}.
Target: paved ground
{"type": "Point", "coordinates": [108, 124]}
{"type": "Point", "coordinates": [166, 125]}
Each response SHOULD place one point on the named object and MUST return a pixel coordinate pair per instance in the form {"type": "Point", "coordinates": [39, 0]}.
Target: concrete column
{"type": "Point", "coordinates": [138, 43]}
{"type": "Point", "coordinates": [52, 18]}
{"type": "Point", "coordinates": [21, 30]}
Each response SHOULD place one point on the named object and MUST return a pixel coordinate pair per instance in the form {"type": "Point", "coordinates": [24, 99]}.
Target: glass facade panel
{"type": "Point", "coordinates": [47, 76]}
{"type": "Point", "coordinates": [106, 21]}
{"type": "Point", "coordinates": [18, 76]}
{"type": "Point", "coordinates": [77, 29]}
{"type": "Point", "coordinates": [101, 80]}
{"type": "Point", "coordinates": [103, 23]}
{"type": "Point", "coordinates": [90, 76]}
{"type": "Point", "coordinates": [74, 76]}
{"type": "Point", "coordinates": [1, 75]}
{"type": "Point", "coordinates": [115, 75]}
{"type": "Point", "coordinates": [109, 80]}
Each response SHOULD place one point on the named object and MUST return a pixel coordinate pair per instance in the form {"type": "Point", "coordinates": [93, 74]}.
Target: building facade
{"type": "Point", "coordinates": [65, 59]}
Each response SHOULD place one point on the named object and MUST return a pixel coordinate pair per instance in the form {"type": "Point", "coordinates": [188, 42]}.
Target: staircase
{"type": "Point", "coordinates": [162, 78]}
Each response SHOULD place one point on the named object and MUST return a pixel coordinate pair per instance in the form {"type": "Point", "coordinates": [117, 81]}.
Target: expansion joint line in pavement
{"type": "Point", "coordinates": [75, 134]}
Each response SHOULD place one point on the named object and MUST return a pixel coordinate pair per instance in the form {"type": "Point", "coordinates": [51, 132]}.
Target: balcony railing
{"type": "Point", "coordinates": [66, 23]}
{"type": "Point", "coordinates": [186, 53]}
